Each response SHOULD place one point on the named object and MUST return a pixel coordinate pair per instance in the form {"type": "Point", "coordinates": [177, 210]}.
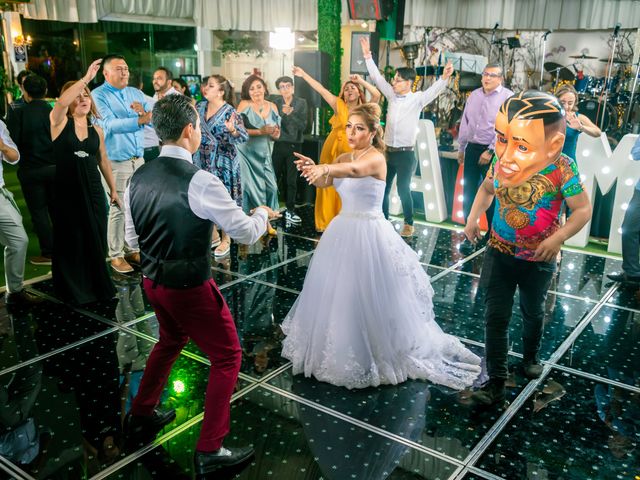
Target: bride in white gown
{"type": "Point", "coordinates": [365, 313]}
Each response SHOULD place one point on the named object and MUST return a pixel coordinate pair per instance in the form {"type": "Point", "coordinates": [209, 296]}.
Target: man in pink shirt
{"type": "Point", "coordinates": [477, 136]}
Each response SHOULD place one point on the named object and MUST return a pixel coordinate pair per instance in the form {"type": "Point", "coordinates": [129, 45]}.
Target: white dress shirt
{"type": "Point", "coordinates": [210, 200]}
{"type": "Point", "coordinates": [6, 138]}
{"type": "Point", "coordinates": [404, 111]}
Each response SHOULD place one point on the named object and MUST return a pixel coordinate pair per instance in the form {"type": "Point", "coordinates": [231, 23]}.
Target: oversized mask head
{"type": "Point", "coordinates": [530, 131]}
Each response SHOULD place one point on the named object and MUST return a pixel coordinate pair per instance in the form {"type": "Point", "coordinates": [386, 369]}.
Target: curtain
{"type": "Point", "coordinates": [82, 11]}
{"type": "Point", "coordinates": [523, 14]}
{"type": "Point", "coordinates": [257, 15]}
{"type": "Point", "coordinates": [159, 9]}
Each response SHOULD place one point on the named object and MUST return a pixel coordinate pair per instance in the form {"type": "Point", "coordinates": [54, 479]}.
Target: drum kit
{"type": "Point", "coordinates": [611, 102]}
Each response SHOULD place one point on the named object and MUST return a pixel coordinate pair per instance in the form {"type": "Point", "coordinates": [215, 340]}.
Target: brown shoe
{"type": "Point", "coordinates": [407, 230]}
{"type": "Point", "coordinates": [133, 258]}
{"type": "Point", "coordinates": [22, 298]}
{"type": "Point", "coordinates": [43, 260]}
{"type": "Point", "coordinates": [120, 265]}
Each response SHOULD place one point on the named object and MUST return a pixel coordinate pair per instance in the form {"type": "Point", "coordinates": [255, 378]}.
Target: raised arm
{"type": "Point", "coordinates": [373, 91]}
{"type": "Point", "coordinates": [372, 68]}
{"type": "Point", "coordinates": [329, 97]}
{"type": "Point", "coordinates": [58, 115]}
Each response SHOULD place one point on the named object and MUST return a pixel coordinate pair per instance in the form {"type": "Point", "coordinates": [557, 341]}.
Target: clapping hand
{"type": "Point", "coordinates": [231, 123]}
{"type": "Point", "coordinates": [355, 78]}
{"type": "Point", "coordinates": [573, 120]}
{"type": "Point", "coordinates": [276, 133]}
{"type": "Point", "coordinates": [138, 108]}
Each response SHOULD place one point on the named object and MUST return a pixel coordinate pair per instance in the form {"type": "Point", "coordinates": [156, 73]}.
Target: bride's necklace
{"type": "Point", "coordinates": [353, 159]}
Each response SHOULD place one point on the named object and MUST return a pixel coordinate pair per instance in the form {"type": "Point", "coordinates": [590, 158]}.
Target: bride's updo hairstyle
{"type": "Point", "coordinates": [370, 113]}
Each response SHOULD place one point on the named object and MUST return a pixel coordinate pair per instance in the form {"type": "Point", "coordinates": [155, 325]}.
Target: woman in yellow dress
{"type": "Point", "coordinates": [351, 95]}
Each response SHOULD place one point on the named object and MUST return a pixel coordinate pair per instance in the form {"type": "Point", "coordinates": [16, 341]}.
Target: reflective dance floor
{"type": "Point", "coordinates": [67, 376]}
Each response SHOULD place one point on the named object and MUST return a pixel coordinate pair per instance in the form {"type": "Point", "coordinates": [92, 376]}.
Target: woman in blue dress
{"type": "Point", "coordinates": [261, 119]}
{"type": "Point", "coordinates": [222, 131]}
{"type": "Point", "coordinates": [576, 122]}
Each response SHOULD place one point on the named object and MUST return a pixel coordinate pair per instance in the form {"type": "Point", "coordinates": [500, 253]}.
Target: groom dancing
{"type": "Point", "coordinates": [530, 179]}
{"type": "Point", "coordinates": [170, 208]}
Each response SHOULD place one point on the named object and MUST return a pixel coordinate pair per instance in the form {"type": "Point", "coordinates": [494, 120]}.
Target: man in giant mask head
{"type": "Point", "coordinates": [530, 179]}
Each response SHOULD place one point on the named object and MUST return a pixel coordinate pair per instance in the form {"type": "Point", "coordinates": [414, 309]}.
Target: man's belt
{"type": "Point", "coordinates": [399, 149]}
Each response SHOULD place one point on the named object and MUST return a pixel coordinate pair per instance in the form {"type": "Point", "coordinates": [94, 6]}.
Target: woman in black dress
{"type": "Point", "coordinates": [80, 273]}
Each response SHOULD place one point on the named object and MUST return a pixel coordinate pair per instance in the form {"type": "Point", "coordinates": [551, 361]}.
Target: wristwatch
{"type": "Point", "coordinates": [491, 151]}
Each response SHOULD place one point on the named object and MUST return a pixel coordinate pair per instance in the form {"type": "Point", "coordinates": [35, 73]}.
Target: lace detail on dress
{"type": "Point", "coordinates": [365, 314]}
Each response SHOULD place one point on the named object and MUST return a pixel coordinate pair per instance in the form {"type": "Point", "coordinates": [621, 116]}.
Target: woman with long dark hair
{"type": "Point", "coordinates": [222, 130]}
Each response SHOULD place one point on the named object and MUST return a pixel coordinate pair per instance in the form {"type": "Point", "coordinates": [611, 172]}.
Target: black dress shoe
{"type": "Point", "coordinates": [145, 428]}
{"type": "Point", "coordinates": [531, 369]}
{"type": "Point", "coordinates": [623, 278]}
{"type": "Point", "coordinates": [22, 298]}
{"type": "Point", "coordinates": [206, 462]}
{"type": "Point", "coordinates": [493, 393]}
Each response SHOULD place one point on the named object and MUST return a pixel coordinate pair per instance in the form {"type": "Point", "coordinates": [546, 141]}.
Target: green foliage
{"type": "Point", "coordinates": [329, 37]}
{"type": "Point", "coordinates": [244, 44]}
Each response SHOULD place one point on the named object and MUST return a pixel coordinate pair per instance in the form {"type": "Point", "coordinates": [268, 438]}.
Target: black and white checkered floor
{"type": "Point", "coordinates": [67, 375]}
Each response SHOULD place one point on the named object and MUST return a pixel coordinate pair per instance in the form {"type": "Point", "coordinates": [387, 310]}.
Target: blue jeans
{"type": "Point", "coordinates": [402, 164]}
{"type": "Point", "coordinates": [631, 237]}
{"type": "Point", "coordinates": [501, 274]}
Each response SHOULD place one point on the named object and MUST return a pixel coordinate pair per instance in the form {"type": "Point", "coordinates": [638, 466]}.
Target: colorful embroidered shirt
{"type": "Point", "coordinates": [529, 213]}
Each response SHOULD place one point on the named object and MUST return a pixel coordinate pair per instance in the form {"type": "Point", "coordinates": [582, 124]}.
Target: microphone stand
{"type": "Point", "coordinates": [493, 38]}
{"type": "Point", "coordinates": [633, 91]}
{"type": "Point", "coordinates": [608, 76]}
{"type": "Point", "coordinates": [544, 52]}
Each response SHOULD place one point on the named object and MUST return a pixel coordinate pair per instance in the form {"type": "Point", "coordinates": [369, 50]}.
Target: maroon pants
{"type": "Point", "coordinates": [202, 314]}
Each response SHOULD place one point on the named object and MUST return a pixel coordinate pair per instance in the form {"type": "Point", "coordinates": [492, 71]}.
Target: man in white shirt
{"type": "Point", "coordinates": [12, 233]}
{"type": "Point", "coordinates": [162, 85]}
{"type": "Point", "coordinates": [401, 128]}
{"type": "Point", "coordinates": [172, 226]}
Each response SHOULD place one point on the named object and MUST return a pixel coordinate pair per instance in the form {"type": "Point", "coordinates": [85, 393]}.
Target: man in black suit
{"type": "Point", "coordinates": [30, 128]}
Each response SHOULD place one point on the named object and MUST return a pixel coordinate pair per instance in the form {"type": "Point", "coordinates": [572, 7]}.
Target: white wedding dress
{"type": "Point", "coordinates": [365, 313]}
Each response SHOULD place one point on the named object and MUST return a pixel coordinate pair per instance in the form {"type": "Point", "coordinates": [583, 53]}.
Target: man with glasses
{"type": "Point", "coordinates": [477, 139]}
{"type": "Point", "coordinates": [401, 129]}
{"type": "Point", "coordinates": [124, 112]}
{"type": "Point", "coordinates": [293, 111]}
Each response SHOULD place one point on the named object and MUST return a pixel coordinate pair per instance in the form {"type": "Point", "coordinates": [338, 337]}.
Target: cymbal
{"type": "Point", "coordinates": [615, 60]}
{"type": "Point", "coordinates": [562, 72]}
{"type": "Point", "coordinates": [583, 56]}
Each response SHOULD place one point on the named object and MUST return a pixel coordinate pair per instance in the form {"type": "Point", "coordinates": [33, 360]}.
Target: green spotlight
{"type": "Point", "coordinates": [178, 386]}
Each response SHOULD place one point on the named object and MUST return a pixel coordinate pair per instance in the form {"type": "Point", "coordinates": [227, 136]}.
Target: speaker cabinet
{"type": "Point", "coordinates": [357, 64]}
{"type": "Point", "coordinates": [316, 64]}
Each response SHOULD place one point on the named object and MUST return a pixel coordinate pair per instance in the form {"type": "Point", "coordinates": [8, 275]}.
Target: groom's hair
{"type": "Point", "coordinates": [171, 115]}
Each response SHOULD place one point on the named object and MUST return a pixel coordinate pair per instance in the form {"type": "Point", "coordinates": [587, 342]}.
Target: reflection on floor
{"type": "Point", "coordinates": [67, 375]}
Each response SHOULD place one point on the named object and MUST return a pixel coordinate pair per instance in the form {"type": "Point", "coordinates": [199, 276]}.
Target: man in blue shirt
{"type": "Point", "coordinates": [631, 234]}
{"type": "Point", "coordinates": [124, 112]}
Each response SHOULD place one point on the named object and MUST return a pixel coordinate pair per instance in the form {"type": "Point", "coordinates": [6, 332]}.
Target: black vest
{"type": "Point", "coordinates": [174, 243]}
